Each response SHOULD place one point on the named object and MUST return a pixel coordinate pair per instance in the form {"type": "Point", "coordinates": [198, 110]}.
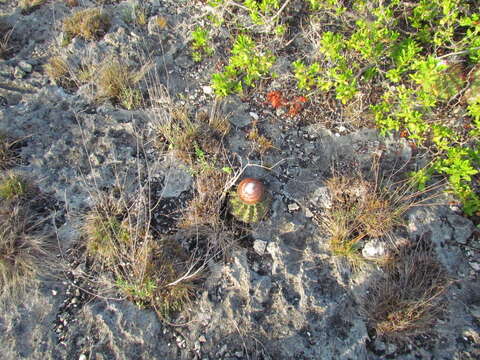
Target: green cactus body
{"type": "Point", "coordinates": [248, 213]}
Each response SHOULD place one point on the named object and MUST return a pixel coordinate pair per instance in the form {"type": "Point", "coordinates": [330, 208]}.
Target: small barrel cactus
{"type": "Point", "coordinates": [250, 203]}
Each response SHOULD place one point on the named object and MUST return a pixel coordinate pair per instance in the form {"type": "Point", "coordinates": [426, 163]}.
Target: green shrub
{"type": "Point", "coordinates": [407, 59]}
{"type": "Point", "coordinates": [245, 67]}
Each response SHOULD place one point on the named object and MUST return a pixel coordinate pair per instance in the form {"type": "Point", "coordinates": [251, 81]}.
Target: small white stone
{"type": "Point", "coordinates": [341, 129]}
{"type": "Point", "coordinates": [254, 115]}
{"type": "Point", "coordinates": [259, 246]}
{"type": "Point", "coordinates": [54, 292]}
{"type": "Point", "coordinates": [293, 207]}
{"type": "Point", "coordinates": [207, 90]}
{"type": "Point", "coordinates": [82, 357]}
{"type": "Point", "coordinates": [308, 213]}
{"type": "Point", "coordinates": [374, 249]}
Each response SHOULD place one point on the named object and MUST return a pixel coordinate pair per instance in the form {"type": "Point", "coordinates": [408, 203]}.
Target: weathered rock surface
{"type": "Point", "coordinates": [280, 296]}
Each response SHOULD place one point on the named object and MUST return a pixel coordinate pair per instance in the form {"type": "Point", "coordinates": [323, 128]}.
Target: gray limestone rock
{"type": "Point", "coordinates": [236, 111]}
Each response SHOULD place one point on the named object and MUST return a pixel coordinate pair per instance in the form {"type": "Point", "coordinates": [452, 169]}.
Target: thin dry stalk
{"type": "Point", "coordinates": [5, 40]}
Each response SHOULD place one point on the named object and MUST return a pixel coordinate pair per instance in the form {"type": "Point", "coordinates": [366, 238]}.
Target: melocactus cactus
{"type": "Point", "coordinates": [250, 203]}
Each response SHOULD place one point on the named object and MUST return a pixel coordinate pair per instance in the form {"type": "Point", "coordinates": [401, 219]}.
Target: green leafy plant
{"type": "Point", "coordinates": [12, 186]}
{"type": "Point", "coordinates": [200, 44]}
{"type": "Point", "coordinates": [335, 5]}
{"type": "Point", "coordinates": [245, 67]}
{"type": "Point", "coordinates": [340, 76]}
{"type": "Point", "coordinates": [130, 98]}
{"type": "Point", "coordinates": [141, 293]}
{"type": "Point", "coordinates": [259, 10]}
{"type": "Point", "coordinates": [413, 63]}
{"type": "Point", "coordinates": [306, 75]}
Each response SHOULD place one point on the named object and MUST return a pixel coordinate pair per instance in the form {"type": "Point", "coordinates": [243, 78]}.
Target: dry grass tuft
{"type": "Point", "coordinates": [105, 231]}
{"type": "Point", "coordinates": [28, 6]}
{"type": "Point", "coordinates": [345, 241]}
{"type": "Point", "coordinates": [363, 210]}
{"type": "Point", "coordinates": [188, 134]}
{"type": "Point", "coordinates": [408, 300]}
{"type": "Point", "coordinates": [117, 82]}
{"type": "Point", "coordinates": [149, 271]}
{"type": "Point", "coordinates": [23, 245]}
{"type": "Point", "coordinates": [205, 208]}
{"type": "Point", "coordinates": [261, 143]}
{"type": "Point", "coordinates": [58, 70]}
{"type": "Point", "coordinates": [71, 3]}
{"type": "Point", "coordinates": [6, 31]}
{"type": "Point", "coordinates": [8, 157]}
{"type": "Point", "coordinates": [90, 24]}
{"type": "Point", "coordinates": [141, 15]}
{"type": "Point", "coordinates": [20, 251]}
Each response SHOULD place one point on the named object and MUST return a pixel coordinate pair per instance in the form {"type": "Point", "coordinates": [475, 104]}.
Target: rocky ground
{"type": "Point", "coordinates": [280, 294]}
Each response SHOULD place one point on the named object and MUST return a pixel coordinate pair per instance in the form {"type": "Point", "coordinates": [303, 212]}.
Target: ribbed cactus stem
{"type": "Point", "coordinates": [248, 213]}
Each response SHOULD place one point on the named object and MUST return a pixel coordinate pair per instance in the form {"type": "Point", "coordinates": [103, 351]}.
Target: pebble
{"type": "Point", "coordinates": [25, 66]}
{"type": "Point", "coordinates": [387, 348]}
{"type": "Point", "coordinates": [207, 90]}
{"type": "Point", "coordinates": [308, 213]}
{"type": "Point", "coordinates": [374, 249]}
{"type": "Point", "coordinates": [54, 292]}
{"type": "Point", "coordinates": [254, 115]}
{"type": "Point", "coordinates": [202, 339]}
{"type": "Point", "coordinates": [341, 129]}
{"type": "Point", "coordinates": [82, 357]}
{"type": "Point", "coordinates": [259, 246]}
{"type": "Point", "coordinates": [293, 207]}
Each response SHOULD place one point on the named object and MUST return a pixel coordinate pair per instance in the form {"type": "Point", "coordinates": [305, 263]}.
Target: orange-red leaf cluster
{"type": "Point", "coordinates": [276, 100]}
